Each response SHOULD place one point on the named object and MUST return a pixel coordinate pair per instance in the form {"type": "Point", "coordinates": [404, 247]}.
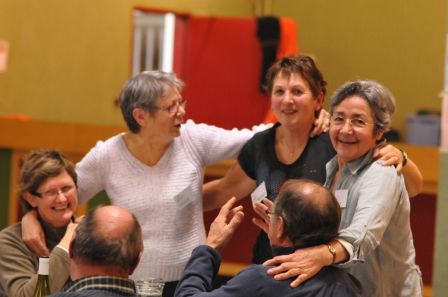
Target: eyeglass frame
{"type": "Point", "coordinates": [350, 121]}
{"type": "Point", "coordinates": [54, 193]}
{"type": "Point", "coordinates": [174, 106]}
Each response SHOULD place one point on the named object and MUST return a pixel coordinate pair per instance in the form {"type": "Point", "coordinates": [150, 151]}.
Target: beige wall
{"type": "Point", "coordinates": [68, 59]}
{"type": "Point", "coordinates": [400, 43]}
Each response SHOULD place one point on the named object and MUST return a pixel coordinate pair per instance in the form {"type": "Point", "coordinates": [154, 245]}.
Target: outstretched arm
{"type": "Point", "coordinates": [234, 184]}
{"type": "Point", "coordinates": [204, 263]}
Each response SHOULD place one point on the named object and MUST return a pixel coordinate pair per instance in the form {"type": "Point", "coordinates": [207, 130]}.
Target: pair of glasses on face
{"type": "Point", "coordinates": [173, 108]}
{"type": "Point", "coordinates": [54, 193]}
{"type": "Point", "coordinates": [355, 123]}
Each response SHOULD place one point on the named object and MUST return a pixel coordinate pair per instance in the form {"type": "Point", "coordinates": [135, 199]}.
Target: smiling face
{"type": "Point", "coordinates": [55, 211]}
{"type": "Point", "coordinates": [293, 102]}
{"type": "Point", "coordinates": [352, 141]}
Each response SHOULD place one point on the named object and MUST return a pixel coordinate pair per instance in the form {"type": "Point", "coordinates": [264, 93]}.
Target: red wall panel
{"type": "Point", "coordinates": [221, 71]}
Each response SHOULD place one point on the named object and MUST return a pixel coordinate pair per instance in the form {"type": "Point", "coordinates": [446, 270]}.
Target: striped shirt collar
{"type": "Point", "coordinates": [102, 282]}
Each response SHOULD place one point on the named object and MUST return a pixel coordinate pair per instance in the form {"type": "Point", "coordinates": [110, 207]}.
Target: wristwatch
{"type": "Point", "coordinates": [405, 158]}
{"type": "Point", "coordinates": [332, 251]}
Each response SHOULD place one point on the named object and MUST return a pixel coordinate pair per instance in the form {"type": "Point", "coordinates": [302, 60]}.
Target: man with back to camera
{"type": "Point", "coordinates": [305, 214]}
{"type": "Point", "coordinates": [104, 251]}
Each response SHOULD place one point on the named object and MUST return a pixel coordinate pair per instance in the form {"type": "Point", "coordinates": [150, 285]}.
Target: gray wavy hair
{"type": "Point", "coordinates": [379, 98]}
{"type": "Point", "coordinates": [144, 91]}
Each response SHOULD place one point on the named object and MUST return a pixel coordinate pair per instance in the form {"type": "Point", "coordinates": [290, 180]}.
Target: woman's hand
{"type": "Point", "coordinates": [33, 235]}
{"type": "Point", "coordinates": [303, 263]}
{"type": "Point", "coordinates": [65, 241]}
{"type": "Point", "coordinates": [71, 227]}
{"type": "Point", "coordinates": [263, 210]}
{"type": "Point", "coordinates": [389, 155]}
{"type": "Point", "coordinates": [321, 124]}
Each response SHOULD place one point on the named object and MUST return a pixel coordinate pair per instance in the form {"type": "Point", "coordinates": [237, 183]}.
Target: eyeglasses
{"type": "Point", "coordinates": [54, 193]}
{"type": "Point", "coordinates": [355, 123]}
{"type": "Point", "coordinates": [174, 107]}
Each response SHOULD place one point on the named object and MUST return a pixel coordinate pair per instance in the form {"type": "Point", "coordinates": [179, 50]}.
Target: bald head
{"type": "Point", "coordinates": [311, 192]}
{"type": "Point", "coordinates": [113, 222]}
{"type": "Point", "coordinates": [108, 236]}
{"type": "Point", "coordinates": [311, 213]}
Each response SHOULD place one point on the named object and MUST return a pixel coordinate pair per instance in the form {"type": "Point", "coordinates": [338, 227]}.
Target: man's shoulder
{"type": "Point", "coordinates": [337, 279]}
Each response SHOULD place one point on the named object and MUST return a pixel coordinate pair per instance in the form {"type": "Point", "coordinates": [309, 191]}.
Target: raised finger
{"type": "Point", "coordinates": [225, 209]}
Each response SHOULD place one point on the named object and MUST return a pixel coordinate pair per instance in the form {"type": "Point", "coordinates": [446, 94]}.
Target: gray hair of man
{"type": "Point", "coordinates": [379, 98]}
{"type": "Point", "coordinates": [310, 212]}
{"type": "Point", "coordinates": [120, 250]}
{"type": "Point", "coordinates": [144, 91]}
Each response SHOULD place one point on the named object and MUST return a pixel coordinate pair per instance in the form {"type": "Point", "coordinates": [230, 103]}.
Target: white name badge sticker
{"type": "Point", "coordinates": [341, 197]}
{"type": "Point", "coordinates": [259, 194]}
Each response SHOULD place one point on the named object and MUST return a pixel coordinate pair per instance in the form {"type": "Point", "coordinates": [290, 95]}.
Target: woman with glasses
{"type": "Point", "coordinates": [375, 240]}
{"type": "Point", "coordinates": [48, 185]}
{"type": "Point", "coordinates": [155, 170]}
{"type": "Point", "coordinates": [286, 151]}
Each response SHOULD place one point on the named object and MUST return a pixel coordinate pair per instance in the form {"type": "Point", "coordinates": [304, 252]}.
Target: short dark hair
{"type": "Point", "coordinates": [93, 246]}
{"type": "Point", "coordinates": [304, 66]}
{"type": "Point", "coordinates": [144, 90]}
{"type": "Point", "coordinates": [311, 213]}
{"type": "Point", "coordinates": [37, 167]}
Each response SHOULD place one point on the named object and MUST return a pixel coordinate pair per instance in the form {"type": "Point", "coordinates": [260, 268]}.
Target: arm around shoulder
{"type": "Point", "coordinates": [413, 178]}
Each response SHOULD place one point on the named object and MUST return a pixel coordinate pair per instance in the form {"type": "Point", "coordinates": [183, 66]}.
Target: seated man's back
{"type": "Point", "coordinates": [305, 214]}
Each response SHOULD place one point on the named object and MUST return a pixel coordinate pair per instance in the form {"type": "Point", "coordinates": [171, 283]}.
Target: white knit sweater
{"type": "Point", "coordinates": [167, 197]}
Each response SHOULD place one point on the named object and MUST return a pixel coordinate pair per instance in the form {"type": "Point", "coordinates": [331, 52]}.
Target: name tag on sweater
{"type": "Point", "coordinates": [185, 197]}
{"type": "Point", "coordinates": [341, 197]}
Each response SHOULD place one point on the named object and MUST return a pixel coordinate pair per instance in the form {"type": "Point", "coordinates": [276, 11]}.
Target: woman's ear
{"type": "Point", "coordinates": [319, 102]}
{"type": "Point", "coordinates": [379, 136]}
{"type": "Point", "coordinates": [31, 199]}
{"type": "Point", "coordinates": [140, 115]}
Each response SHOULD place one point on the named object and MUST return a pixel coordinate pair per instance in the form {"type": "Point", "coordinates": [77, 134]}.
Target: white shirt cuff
{"type": "Point", "coordinates": [347, 246]}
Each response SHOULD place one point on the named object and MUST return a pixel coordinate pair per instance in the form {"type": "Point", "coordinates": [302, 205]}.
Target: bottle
{"type": "Point", "coordinates": [42, 285]}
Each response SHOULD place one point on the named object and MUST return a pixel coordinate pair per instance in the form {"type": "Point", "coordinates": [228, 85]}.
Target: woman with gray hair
{"type": "Point", "coordinates": [156, 169]}
{"type": "Point", "coordinates": [375, 240]}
